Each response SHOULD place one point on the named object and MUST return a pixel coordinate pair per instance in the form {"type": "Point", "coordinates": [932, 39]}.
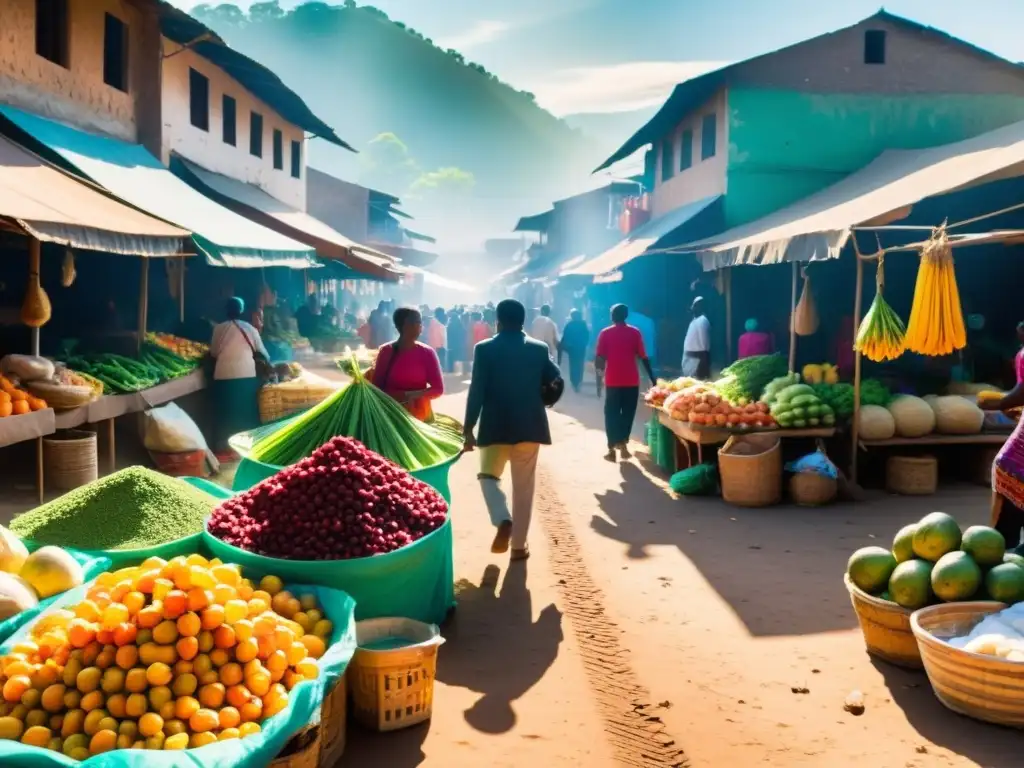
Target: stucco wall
{"type": "Point", "coordinates": [704, 178]}
{"type": "Point", "coordinates": [338, 203]}
{"type": "Point", "coordinates": [786, 144]}
{"type": "Point", "coordinates": [76, 95]}
{"type": "Point", "coordinates": [207, 148]}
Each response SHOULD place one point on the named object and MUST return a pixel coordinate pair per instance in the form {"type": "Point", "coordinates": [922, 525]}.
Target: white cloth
{"type": "Point", "coordinates": [523, 458]}
{"type": "Point", "coordinates": [544, 329]}
{"type": "Point", "coordinates": [232, 352]}
{"type": "Point", "coordinates": [698, 335]}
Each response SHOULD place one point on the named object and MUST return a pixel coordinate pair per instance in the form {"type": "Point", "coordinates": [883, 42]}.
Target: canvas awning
{"type": "Point", "coordinates": [54, 207]}
{"type": "Point", "coordinates": [406, 254]}
{"type": "Point", "coordinates": [129, 172]}
{"type": "Point", "coordinates": [439, 281]}
{"type": "Point", "coordinates": [642, 238]}
{"type": "Point", "coordinates": [817, 227]}
{"type": "Point", "coordinates": [253, 203]}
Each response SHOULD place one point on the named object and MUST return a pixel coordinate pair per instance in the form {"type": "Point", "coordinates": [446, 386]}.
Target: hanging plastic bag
{"type": "Point", "coordinates": [805, 316]}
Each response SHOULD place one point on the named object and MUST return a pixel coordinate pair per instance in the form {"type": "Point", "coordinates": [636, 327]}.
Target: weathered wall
{"type": "Point", "coordinates": [76, 95]}
{"type": "Point", "coordinates": [207, 148]}
{"type": "Point", "coordinates": [705, 178]}
{"type": "Point", "coordinates": [785, 145]}
{"type": "Point", "coordinates": [338, 203]}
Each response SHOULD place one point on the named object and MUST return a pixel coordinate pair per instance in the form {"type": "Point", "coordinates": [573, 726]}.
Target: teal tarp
{"type": "Point", "coordinates": [131, 173]}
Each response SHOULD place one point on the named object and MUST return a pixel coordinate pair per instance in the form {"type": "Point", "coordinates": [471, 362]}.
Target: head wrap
{"type": "Point", "coordinates": [750, 326]}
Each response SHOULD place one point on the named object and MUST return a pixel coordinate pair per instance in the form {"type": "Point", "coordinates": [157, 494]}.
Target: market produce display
{"type": "Point", "coordinates": [955, 415]}
{"type": "Point", "coordinates": [936, 325]}
{"type": "Point", "coordinates": [25, 578]}
{"type": "Point", "coordinates": [17, 402]}
{"type": "Point", "coordinates": [934, 561]}
{"type": "Point", "coordinates": [875, 423]}
{"type": "Point", "coordinates": [183, 348]}
{"type": "Point", "coordinates": [912, 416]}
{"type": "Point", "coordinates": [130, 509]}
{"type": "Point", "coordinates": [820, 373]}
{"type": "Point", "coordinates": [663, 388]}
{"type": "Point", "coordinates": [342, 502]}
{"type": "Point", "coordinates": [796, 406]}
{"type": "Point", "coordinates": [882, 335]}
{"type": "Point", "coordinates": [361, 411]}
{"type": "Point", "coordinates": [839, 397]}
{"type": "Point", "coordinates": [122, 375]}
{"type": "Point", "coordinates": [167, 655]}
{"type": "Point", "coordinates": [744, 381]}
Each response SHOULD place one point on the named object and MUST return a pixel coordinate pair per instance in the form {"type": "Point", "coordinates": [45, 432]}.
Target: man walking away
{"type": "Point", "coordinates": [575, 338]}
{"type": "Point", "coordinates": [544, 329]}
{"type": "Point", "coordinates": [619, 346]}
{"type": "Point", "coordinates": [697, 345]}
{"type": "Point", "coordinates": [509, 372]}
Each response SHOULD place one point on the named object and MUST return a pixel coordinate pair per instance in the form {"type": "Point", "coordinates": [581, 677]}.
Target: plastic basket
{"type": "Point", "coordinates": [394, 688]}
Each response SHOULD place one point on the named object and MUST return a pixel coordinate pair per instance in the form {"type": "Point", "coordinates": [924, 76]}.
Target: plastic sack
{"type": "Point", "coordinates": [256, 751]}
{"type": "Point", "coordinates": [816, 463]}
{"type": "Point", "coordinates": [92, 566]}
{"type": "Point", "coordinates": [169, 429]}
{"type": "Point", "coordinates": [701, 480]}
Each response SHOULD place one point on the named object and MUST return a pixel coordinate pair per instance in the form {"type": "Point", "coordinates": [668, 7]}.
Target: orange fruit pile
{"type": "Point", "coordinates": [16, 402]}
{"type": "Point", "coordinates": [166, 655]}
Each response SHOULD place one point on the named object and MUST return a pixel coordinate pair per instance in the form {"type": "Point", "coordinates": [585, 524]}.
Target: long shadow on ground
{"type": "Point", "coordinates": [780, 568]}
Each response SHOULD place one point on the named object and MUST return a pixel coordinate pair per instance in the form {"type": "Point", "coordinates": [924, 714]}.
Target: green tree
{"type": "Point", "coordinates": [387, 163]}
{"type": "Point", "coordinates": [266, 11]}
{"type": "Point", "coordinates": [442, 183]}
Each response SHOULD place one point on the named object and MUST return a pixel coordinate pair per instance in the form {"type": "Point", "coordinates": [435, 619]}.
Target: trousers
{"type": "Point", "coordinates": [577, 363]}
{"type": "Point", "coordinates": [619, 412]}
{"type": "Point", "coordinates": [522, 458]}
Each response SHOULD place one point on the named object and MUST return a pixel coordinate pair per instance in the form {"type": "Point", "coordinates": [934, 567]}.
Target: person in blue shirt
{"type": "Point", "coordinates": [574, 343]}
{"type": "Point", "coordinates": [506, 398]}
{"type": "Point", "coordinates": [649, 332]}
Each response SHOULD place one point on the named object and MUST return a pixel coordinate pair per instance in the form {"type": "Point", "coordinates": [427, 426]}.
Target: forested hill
{"type": "Point", "coordinates": [366, 75]}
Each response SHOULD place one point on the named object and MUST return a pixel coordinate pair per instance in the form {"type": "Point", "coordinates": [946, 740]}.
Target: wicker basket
{"type": "Point", "coordinates": [750, 470]}
{"type": "Point", "coordinates": [886, 628]}
{"type": "Point", "coordinates": [972, 684]}
{"type": "Point", "coordinates": [394, 688]}
{"type": "Point", "coordinates": [70, 459]}
{"type": "Point", "coordinates": [61, 397]}
{"type": "Point", "coordinates": [809, 489]}
{"type": "Point", "coordinates": [301, 751]}
{"type": "Point", "coordinates": [278, 401]}
{"type": "Point", "coordinates": [333, 721]}
{"type": "Point", "coordinates": [912, 475]}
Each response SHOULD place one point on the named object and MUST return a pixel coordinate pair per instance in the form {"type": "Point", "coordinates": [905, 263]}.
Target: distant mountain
{"type": "Point", "coordinates": [609, 130]}
{"type": "Point", "coordinates": [366, 75]}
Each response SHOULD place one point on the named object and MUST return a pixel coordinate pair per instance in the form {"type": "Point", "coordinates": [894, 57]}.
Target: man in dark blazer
{"type": "Point", "coordinates": [510, 371]}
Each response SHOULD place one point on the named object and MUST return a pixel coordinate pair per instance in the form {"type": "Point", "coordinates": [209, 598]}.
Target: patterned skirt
{"type": "Point", "coordinates": [1008, 469]}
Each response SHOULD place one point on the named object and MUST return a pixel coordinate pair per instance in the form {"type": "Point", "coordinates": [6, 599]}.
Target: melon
{"type": "Point", "coordinates": [13, 553]}
{"type": "Point", "coordinates": [51, 570]}
{"type": "Point", "coordinates": [912, 415]}
{"type": "Point", "coordinates": [16, 595]}
{"type": "Point", "coordinates": [876, 423]}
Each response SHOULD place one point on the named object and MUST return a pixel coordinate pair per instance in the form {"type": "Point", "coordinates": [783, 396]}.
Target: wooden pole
{"type": "Point", "coordinates": [34, 256]}
{"type": "Point", "coordinates": [857, 304]}
{"type": "Point", "coordinates": [181, 290]}
{"type": "Point", "coordinates": [792, 323]}
{"type": "Point", "coordinates": [728, 314]}
{"type": "Point", "coordinates": [143, 300]}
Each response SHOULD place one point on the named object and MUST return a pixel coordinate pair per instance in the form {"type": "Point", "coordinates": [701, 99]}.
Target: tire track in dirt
{"type": "Point", "coordinates": [635, 731]}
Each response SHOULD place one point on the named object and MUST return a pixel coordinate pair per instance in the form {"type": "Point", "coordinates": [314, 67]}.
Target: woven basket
{"type": "Point", "coordinates": [394, 688]}
{"type": "Point", "coordinates": [750, 470]}
{"type": "Point", "coordinates": [70, 459]}
{"type": "Point", "coordinates": [886, 628]}
{"type": "Point", "coordinates": [61, 397]}
{"type": "Point", "coordinates": [333, 721]}
{"type": "Point", "coordinates": [301, 751]}
{"type": "Point", "coordinates": [809, 489]}
{"type": "Point", "coordinates": [912, 475]}
{"type": "Point", "coordinates": [979, 686]}
{"type": "Point", "coordinates": [278, 401]}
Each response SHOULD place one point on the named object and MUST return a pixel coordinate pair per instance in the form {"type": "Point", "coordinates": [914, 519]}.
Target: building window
{"type": "Point", "coordinates": [297, 159]}
{"type": "Point", "coordinates": [686, 150]}
{"type": "Point", "coordinates": [115, 53]}
{"type": "Point", "coordinates": [256, 134]}
{"type": "Point", "coordinates": [278, 150]}
{"type": "Point", "coordinates": [228, 120]}
{"type": "Point", "coordinates": [708, 136]}
{"type": "Point", "coordinates": [874, 46]}
{"type": "Point", "coordinates": [668, 163]}
{"type": "Point", "coordinates": [52, 30]}
{"type": "Point", "coordinates": [199, 99]}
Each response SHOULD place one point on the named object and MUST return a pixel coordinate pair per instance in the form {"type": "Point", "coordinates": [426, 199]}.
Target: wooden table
{"type": "Point", "coordinates": [983, 438]}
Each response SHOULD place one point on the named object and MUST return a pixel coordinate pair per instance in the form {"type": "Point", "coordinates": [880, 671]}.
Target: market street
{"type": "Point", "coordinates": [651, 631]}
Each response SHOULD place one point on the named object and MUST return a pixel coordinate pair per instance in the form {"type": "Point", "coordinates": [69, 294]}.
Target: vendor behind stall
{"type": "Point", "coordinates": [235, 347]}
{"type": "Point", "coordinates": [408, 370]}
{"type": "Point", "coordinates": [1008, 468]}
{"type": "Point", "coordinates": [753, 341]}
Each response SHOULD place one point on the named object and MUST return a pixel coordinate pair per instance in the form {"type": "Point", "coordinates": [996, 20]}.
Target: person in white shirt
{"type": "Point", "coordinates": [697, 345]}
{"type": "Point", "coordinates": [544, 329]}
{"type": "Point", "coordinates": [235, 388]}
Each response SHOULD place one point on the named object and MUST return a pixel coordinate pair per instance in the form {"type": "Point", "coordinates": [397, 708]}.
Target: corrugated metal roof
{"type": "Point", "coordinates": [536, 223]}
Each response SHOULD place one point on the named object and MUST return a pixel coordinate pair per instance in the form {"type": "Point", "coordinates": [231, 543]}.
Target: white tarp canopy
{"type": "Point", "coordinates": [439, 281]}
{"type": "Point", "coordinates": [817, 227]}
{"type": "Point", "coordinates": [640, 239]}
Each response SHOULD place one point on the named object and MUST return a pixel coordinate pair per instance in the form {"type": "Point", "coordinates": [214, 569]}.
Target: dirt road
{"type": "Point", "coordinates": [651, 631]}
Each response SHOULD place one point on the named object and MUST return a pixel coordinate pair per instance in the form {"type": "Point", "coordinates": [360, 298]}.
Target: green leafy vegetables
{"type": "Point", "coordinates": [743, 381]}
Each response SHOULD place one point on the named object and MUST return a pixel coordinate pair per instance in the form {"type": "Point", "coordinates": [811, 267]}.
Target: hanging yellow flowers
{"type": "Point", "coordinates": [881, 333]}
{"type": "Point", "coordinates": [936, 326]}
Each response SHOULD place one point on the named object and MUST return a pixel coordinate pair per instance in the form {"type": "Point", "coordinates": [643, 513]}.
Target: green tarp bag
{"type": "Point", "coordinates": [92, 566]}
{"type": "Point", "coordinates": [416, 582]}
{"type": "Point", "coordinates": [256, 751]}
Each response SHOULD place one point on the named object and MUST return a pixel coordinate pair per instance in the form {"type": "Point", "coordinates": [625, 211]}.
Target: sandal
{"type": "Point", "coordinates": [520, 554]}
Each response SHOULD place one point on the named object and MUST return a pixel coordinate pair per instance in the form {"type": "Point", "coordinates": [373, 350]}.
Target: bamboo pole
{"type": "Point", "coordinates": [34, 257]}
{"type": "Point", "coordinates": [728, 314]}
{"type": "Point", "coordinates": [143, 300]}
{"type": "Point", "coordinates": [792, 317]}
{"type": "Point", "coordinates": [858, 302]}
{"type": "Point", "coordinates": [181, 290]}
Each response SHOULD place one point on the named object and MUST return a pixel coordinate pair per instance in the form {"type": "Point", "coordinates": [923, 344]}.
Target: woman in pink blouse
{"type": "Point", "coordinates": [406, 369]}
{"type": "Point", "coordinates": [754, 342]}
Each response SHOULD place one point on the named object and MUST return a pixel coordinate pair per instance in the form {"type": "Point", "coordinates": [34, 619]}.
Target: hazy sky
{"type": "Point", "coordinates": [612, 55]}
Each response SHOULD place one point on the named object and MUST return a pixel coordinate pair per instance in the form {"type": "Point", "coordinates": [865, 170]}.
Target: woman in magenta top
{"type": "Point", "coordinates": [406, 369]}
{"type": "Point", "coordinates": [754, 342]}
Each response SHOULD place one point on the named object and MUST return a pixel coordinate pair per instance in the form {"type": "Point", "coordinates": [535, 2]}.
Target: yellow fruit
{"type": "Point", "coordinates": [248, 729]}
{"type": "Point", "coordinates": [92, 701]}
{"type": "Point", "coordinates": [13, 553]}
{"type": "Point", "coordinates": [102, 741]}
{"type": "Point", "coordinates": [160, 695]}
{"type": "Point", "coordinates": [36, 736]}
{"type": "Point", "coordinates": [91, 726]}
{"type": "Point", "coordinates": [315, 646]}
{"type": "Point", "coordinates": [323, 628]}
{"type": "Point", "coordinates": [16, 595]}
{"type": "Point", "coordinates": [137, 705]}
{"type": "Point", "coordinates": [150, 724]}
{"type": "Point", "coordinates": [159, 742]}
{"type": "Point", "coordinates": [51, 570]}
{"type": "Point", "coordinates": [308, 602]}
{"type": "Point", "coordinates": [174, 726]}
{"type": "Point", "coordinates": [74, 723]}
{"type": "Point", "coordinates": [11, 728]}
{"type": "Point", "coordinates": [202, 739]}
{"type": "Point", "coordinates": [229, 733]}
{"type": "Point", "coordinates": [75, 741]}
